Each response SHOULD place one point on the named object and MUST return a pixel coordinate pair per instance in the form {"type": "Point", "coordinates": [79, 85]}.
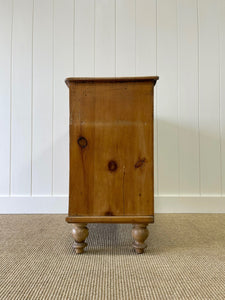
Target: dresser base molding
{"type": "Point", "coordinates": [111, 219]}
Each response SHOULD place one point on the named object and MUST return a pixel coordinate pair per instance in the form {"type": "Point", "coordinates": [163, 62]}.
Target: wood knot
{"type": "Point", "coordinates": [82, 142]}
{"type": "Point", "coordinates": [108, 213]}
{"type": "Point", "coordinates": [140, 163]}
{"type": "Point", "coordinates": [112, 165]}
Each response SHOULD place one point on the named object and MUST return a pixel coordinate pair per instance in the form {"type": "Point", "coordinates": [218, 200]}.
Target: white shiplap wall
{"type": "Point", "coordinates": [44, 41]}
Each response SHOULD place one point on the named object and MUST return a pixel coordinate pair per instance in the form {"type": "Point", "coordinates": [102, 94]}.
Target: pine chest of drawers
{"type": "Point", "coordinates": [111, 155]}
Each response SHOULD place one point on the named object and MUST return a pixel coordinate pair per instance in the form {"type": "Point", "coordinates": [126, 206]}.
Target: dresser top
{"type": "Point", "coordinates": [109, 79]}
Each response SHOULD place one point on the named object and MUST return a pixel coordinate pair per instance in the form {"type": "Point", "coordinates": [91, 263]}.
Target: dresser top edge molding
{"type": "Point", "coordinates": [70, 80]}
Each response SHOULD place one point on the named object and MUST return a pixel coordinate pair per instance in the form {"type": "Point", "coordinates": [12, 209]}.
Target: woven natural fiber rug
{"type": "Point", "coordinates": [185, 259]}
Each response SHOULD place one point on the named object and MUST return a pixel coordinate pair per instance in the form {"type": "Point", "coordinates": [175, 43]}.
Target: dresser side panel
{"type": "Point", "coordinates": [111, 172]}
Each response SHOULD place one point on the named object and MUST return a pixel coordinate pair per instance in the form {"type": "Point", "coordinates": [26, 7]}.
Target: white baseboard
{"type": "Point", "coordinates": [190, 204]}
{"type": "Point", "coordinates": [163, 204]}
{"type": "Point", "coordinates": [33, 204]}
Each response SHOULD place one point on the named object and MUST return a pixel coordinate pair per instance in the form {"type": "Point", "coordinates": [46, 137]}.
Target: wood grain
{"type": "Point", "coordinates": [110, 219]}
{"type": "Point", "coordinates": [111, 146]}
{"type": "Point", "coordinates": [79, 233]}
{"type": "Point", "coordinates": [140, 234]}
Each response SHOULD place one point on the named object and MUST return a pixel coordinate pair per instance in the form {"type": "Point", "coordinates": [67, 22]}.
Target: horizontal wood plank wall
{"type": "Point", "coordinates": [44, 41]}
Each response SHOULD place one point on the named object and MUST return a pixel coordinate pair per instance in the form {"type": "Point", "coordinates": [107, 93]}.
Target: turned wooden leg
{"type": "Point", "coordinates": [140, 234]}
{"type": "Point", "coordinates": [80, 233]}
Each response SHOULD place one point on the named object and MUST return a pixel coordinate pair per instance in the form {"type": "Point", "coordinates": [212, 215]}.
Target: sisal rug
{"type": "Point", "coordinates": [185, 259]}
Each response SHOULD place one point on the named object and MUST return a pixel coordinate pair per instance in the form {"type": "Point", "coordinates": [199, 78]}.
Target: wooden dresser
{"type": "Point", "coordinates": [111, 155]}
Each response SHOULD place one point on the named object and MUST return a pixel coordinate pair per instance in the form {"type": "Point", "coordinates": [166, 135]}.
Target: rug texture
{"type": "Point", "coordinates": [185, 259]}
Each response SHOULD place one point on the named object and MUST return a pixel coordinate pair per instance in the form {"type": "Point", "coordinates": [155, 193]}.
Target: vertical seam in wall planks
{"type": "Point", "coordinates": [178, 93]}
{"type": "Point", "coordinates": [222, 35]}
{"type": "Point", "coordinates": [198, 120]}
{"type": "Point", "coordinates": [94, 36]}
{"type": "Point", "coordinates": [53, 90]}
{"type": "Point", "coordinates": [32, 100]}
{"type": "Point", "coordinates": [115, 38]}
{"type": "Point", "coordinates": [135, 51]}
{"type": "Point", "coordinates": [156, 99]}
{"type": "Point", "coordinates": [11, 69]}
{"type": "Point", "coordinates": [220, 128]}
{"type": "Point", "coordinates": [199, 137]}
{"type": "Point", "coordinates": [74, 4]}
{"type": "Point", "coordinates": [93, 19]}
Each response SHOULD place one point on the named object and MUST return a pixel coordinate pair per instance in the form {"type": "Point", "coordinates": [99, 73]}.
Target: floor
{"type": "Point", "coordinates": [185, 259]}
